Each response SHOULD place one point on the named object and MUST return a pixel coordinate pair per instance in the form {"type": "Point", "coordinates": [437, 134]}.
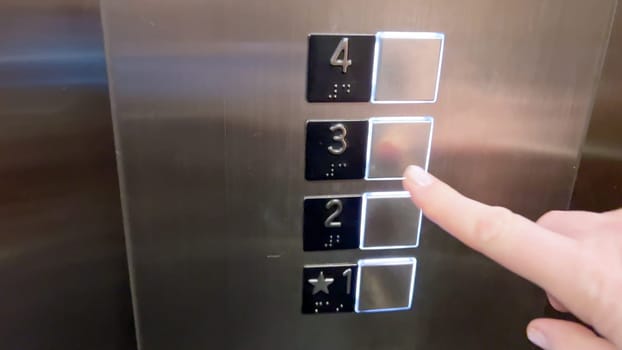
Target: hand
{"type": "Point", "coordinates": [576, 257]}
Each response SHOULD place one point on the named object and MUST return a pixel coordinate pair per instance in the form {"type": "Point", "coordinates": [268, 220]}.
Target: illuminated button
{"type": "Point", "coordinates": [336, 150]}
{"type": "Point", "coordinates": [385, 284]}
{"type": "Point", "coordinates": [328, 288]}
{"type": "Point", "coordinates": [390, 221]}
{"type": "Point", "coordinates": [407, 67]}
{"type": "Point", "coordinates": [340, 68]}
{"type": "Point", "coordinates": [331, 223]}
{"type": "Point", "coordinates": [395, 143]}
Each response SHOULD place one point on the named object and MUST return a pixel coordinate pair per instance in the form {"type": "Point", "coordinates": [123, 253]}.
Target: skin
{"type": "Point", "coordinates": [576, 257]}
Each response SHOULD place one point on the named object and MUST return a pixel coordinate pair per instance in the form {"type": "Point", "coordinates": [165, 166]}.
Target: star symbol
{"type": "Point", "coordinates": [321, 283]}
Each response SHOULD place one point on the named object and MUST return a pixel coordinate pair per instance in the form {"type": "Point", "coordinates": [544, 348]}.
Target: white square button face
{"type": "Point", "coordinates": [395, 143]}
{"type": "Point", "coordinates": [389, 221]}
{"type": "Point", "coordinates": [385, 284]}
{"type": "Point", "coordinates": [407, 67]}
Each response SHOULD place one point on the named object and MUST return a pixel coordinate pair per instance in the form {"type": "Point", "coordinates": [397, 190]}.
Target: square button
{"type": "Point", "coordinates": [339, 68]}
{"type": "Point", "coordinates": [390, 221]}
{"type": "Point", "coordinates": [407, 67]}
{"type": "Point", "coordinates": [395, 143]}
{"type": "Point", "coordinates": [385, 284]}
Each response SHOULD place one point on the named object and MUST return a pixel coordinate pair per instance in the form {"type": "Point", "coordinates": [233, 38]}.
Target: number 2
{"type": "Point", "coordinates": [341, 138]}
{"type": "Point", "coordinates": [344, 62]}
{"type": "Point", "coordinates": [330, 220]}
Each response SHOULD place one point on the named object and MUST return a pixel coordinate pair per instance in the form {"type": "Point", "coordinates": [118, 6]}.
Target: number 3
{"type": "Point", "coordinates": [344, 62]}
{"type": "Point", "coordinates": [341, 138]}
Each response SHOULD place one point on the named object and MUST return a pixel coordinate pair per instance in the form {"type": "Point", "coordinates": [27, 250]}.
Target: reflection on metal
{"type": "Point", "coordinates": [599, 182]}
{"type": "Point", "coordinates": [210, 110]}
{"type": "Point", "coordinates": [63, 271]}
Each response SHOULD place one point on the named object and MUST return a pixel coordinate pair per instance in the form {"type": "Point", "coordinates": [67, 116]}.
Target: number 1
{"type": "Point", "coordinates": [348, 275]}
{"type": "Point", "coordinates": [344, 62]}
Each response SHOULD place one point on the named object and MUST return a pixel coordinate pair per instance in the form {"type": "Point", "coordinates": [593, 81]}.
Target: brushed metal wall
{"type": "Point", "coordinates": [63, 271]}
{"type": "Point", "coordinates": [599, 183]}
{"type": "Point", "coordinates": [208, 100]}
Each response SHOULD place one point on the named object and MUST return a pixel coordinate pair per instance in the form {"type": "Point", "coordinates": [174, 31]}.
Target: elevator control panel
{"type": "Point", "coordinates": [366, 68]}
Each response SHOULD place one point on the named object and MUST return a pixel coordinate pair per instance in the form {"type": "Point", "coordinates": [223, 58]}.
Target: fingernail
{"type": "Point", "coordinates": [537, 337]}
{"type": "Point", "coordinates": [417, 176]}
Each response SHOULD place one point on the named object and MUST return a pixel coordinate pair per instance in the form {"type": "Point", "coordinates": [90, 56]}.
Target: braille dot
{"type": "Point", "coordinates": [337, 309]}
{"type": "Point", "coordinates": [316, 311]}
{"type": "Point", "coordinates": [343, 85]}
{"type": "Point", "coordinates": [341, 305]}
{"type": "Point", "coordinates": [335, 91]}
{"type": "Point", "coordinates": [349, 85]}
{"type": "Point", "coordinates": [336, 85]}
{"type": "Point", "coordinates": [348, 91]}
{"type": "Point", "coordinates": [332, 165]}
{"type": "Point", "coordinates": [327, 303]}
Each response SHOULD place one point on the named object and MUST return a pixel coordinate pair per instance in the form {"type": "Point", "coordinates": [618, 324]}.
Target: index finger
{"type": "Point", "coordinates": [511, 240]}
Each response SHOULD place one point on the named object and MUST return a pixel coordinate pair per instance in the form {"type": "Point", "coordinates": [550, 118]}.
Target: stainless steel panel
{"type": "Point", "coordinates": [389, 220]}
{"type": "Point", "coordinates": [385, 284]}
{"type": "Point", "coordinates": [408, 67]}
{"type": "Point", "coordinates": [63, 271]}
{"type": "Point", "coordinates": [209, 103]}
{"type": "Point", "coordinates": [395, 143]}
{"type": "Point", "coordinates": [599, 182]}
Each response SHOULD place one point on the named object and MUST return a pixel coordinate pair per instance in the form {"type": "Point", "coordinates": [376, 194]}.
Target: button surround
{"type": "Point", "coordinates": [385, 277]}
{"type": "Point", "coordinates": [393, 143]}
{"type": "Point", "coordinates": [391, 212]}
{"type": "Point", "coordinates": [407, 67]}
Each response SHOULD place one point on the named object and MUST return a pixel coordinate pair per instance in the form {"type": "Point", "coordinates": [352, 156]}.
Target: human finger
{"type": "Point", "coordinates": [550, 334]}
{"type": "Point", "coordinates": [575, 224]}
{"type": "Point", "coordinates": [545, 258]}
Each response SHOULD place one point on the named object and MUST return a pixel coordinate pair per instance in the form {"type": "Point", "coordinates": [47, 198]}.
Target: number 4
{"type": "Point", "coordinates": [343, 62]}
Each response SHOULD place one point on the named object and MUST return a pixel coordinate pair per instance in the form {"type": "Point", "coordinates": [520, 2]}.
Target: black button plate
{"type": "Point", "coordinates": [349, 136]}
{"type": "Point", "coordinates": [331, 223]}
{"type": "Point", "coordinates": [328, 289]}
{"type": "Point", "coordinates": [329, 83]}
